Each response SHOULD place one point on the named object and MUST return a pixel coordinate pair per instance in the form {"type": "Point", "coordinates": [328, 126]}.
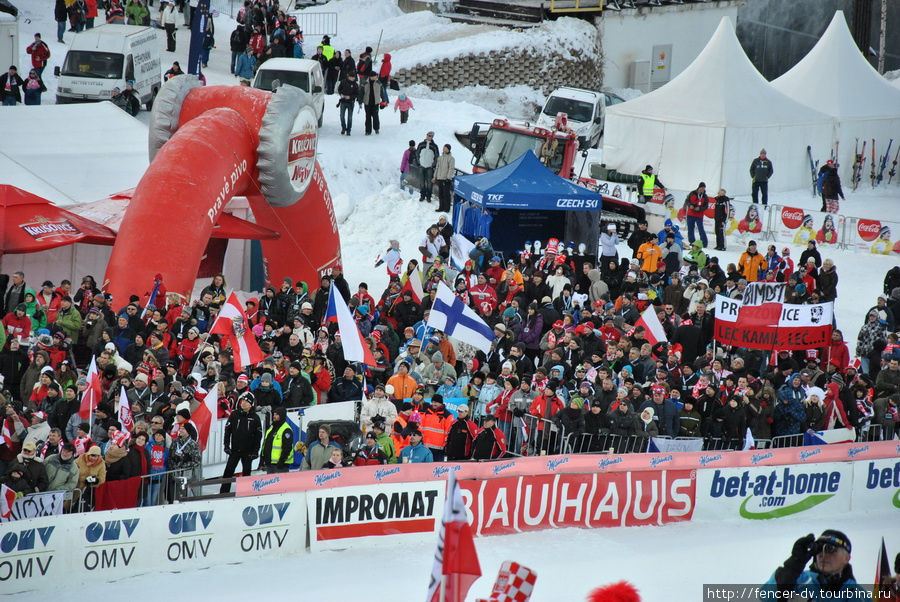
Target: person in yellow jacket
{"type": "Point", "coordinates": [278, 444]}
{"type": "Point", "coordinates": [751, 263]}
{"type": "Point", "coordinates": [649, 254]}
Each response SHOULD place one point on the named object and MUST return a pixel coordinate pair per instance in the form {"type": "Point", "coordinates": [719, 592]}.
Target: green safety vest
{"type": "Point", "coordinates": [327, 51]}
{"type": "Point", "coordinates": [649, 184]}
{"type": "Point", "coordinates": [277, 440]}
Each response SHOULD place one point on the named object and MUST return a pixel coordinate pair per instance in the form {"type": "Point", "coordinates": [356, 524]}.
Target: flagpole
{"type": "Point", "coordinates": [443, 595]}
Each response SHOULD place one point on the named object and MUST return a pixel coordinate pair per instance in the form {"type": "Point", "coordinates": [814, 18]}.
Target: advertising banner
{"type": "Point", "coordinates": [876, 237]}
{"type": "Point", "coordinates": [411, 510]}
{"type": "Point", "coordinates": [757, 493]}
{"type": "Point", "coordinates": [616, 499]}
{"type": "Point", "coordinates": [799, 226]}
{"type": "Point", "coordinates": [102, 546]}
{"type": "Point", "coordinates": [762, 321]}
{"type": "Point", "coordinates": [876, 485]}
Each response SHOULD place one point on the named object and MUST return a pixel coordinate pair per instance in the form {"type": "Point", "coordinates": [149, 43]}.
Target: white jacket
{"type": "Point", "coordinates": [167, 16]}
{"type": "Point", "coordinates": [377, 407]}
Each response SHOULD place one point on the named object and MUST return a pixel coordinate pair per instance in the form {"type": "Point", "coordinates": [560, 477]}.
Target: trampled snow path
{"type": "Point", "coordinates": [665, 563]}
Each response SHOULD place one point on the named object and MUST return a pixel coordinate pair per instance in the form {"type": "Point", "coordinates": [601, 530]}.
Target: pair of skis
{"type": "Point", "coordinates": [884, 160]}
{"type": "Point", "coordinates": [859, 160]}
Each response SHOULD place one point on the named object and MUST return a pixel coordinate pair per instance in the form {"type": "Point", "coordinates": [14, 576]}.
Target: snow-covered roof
{"type": "Point", "coordinates": [72, 153]}
{"type": "Point", "coordinates": [836, 79]}
{"type": "Point", "coordinates": [720, 88]}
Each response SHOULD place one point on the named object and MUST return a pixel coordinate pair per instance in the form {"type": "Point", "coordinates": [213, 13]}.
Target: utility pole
{"type": "Point", "coordinates": [881, 37]}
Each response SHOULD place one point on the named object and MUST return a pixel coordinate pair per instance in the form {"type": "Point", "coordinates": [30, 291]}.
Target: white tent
{"type": "Point", "coordinates": [710, 122]}
{"type": "Point", "coordinates": [836, 79]}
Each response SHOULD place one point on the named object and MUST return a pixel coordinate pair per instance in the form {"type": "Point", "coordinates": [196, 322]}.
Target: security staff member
{"type": "Point", "coordinates": [278, 445]}
{"type": "Point", "coordinates": [649, 181]}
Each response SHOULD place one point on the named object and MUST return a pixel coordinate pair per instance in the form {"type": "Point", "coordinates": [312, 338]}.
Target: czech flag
{"type": "Point", "coordinates": [355, 347]}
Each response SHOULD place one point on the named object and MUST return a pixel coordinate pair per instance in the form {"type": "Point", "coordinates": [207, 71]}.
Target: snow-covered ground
{"type": "Point", "coordinates": [665, 563]}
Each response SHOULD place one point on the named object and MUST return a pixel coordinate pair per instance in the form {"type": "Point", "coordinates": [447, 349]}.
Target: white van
{"type": "Point", "coordinates": [586, 110]}
{"type": "Point", "coordinates": [106, 57]}
{"type": "Point", "coordinates": [305, 74]}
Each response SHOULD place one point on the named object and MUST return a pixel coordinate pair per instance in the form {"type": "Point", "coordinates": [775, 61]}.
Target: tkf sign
{"type": "Point", "coordinates": [410, 510]}
{"type": "Point", "coordinates": [774, 491]}
{"type": "Point", "coordinates": [770, 324]}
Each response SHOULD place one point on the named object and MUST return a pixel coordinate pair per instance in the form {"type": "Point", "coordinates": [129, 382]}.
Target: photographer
{"type": "Point", "coordinates": [829, 572]}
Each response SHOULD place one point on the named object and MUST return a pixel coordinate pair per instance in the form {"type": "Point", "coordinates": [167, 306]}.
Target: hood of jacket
{"type": "Point", "coordinates": [594, 275]}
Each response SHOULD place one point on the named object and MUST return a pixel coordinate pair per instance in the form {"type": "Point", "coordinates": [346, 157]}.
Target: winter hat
{"type": "Point", "coordinates": [47, 369]}
{"type": "Point", "coordinates": [500, 326]}
{"type": "Point", "coordinates": [647, 415]}
{"type": "Point", "coordinates": [94, 451]}
{"type": "Point", "coordinates": [84, 426]}
{"type": "Point", "coordinates": [509, 312]}
{"type": "Point", "coordinates": [186, 414]}
{"type": "Point", "coordinates": [243, 378]}
{"type": "Point", "coordinates": [141, 377]}
{"type": "Point", "coordinates": [834, 537]}
{"type": "Point", "coordinates": [195, 330]}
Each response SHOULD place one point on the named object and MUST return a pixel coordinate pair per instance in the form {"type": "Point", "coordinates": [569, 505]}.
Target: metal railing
{"type": "Point", "coordinates": [317, 24]}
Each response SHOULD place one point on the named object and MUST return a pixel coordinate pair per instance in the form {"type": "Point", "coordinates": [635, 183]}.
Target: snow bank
{"type": "Point", "coordinates": [515, 102]}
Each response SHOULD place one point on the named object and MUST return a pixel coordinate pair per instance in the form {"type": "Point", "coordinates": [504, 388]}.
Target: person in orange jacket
{"type": "Point", "coordinates": [751, 262]}
{"type": "Point", "coordinates": [404, 384]}
{"type": "Point", "coordinates": [436, 423]}
{"type": "Point", "coordinates": [649, 254]}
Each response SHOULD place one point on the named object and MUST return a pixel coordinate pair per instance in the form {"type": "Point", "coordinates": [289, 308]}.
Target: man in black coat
{"type": "Point", "coordinates": [347, 388]}
{"type": "Point", "coordinates": [243, 433]}
{"type": "Point", "coordinates": [348, 90]}
{"type": "Point", "coordinates": [296, 388]}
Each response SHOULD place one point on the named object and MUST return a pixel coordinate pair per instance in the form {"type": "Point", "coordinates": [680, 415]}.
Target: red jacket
{"type": "Point", "coordinates": [16, 326]}
{"type": "Point", "coordinates": [39, 52]}
{"type": "Point", "coordinates": [385, 70]}
{"type": "Point", "coordinates": [187, 348]}
{"type": "Point", "coordinates": [500, 406]}
{"type": "Point", "coordinates": [51, 308]}
{"type": "Point", "coordinates": [697, 204]}
{"type": "Point", "coordinates": [546, 408]}
{"type": "Point", "coordinates": [838, 354]}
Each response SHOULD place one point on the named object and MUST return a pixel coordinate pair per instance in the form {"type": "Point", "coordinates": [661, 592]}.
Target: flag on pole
{"type": "Point", "coordinates": [749, 441]}
{"type": "Point", "coordinates": [456, 319]}
{"type": "Point", "coordinates": [882, 572]}
{"type": "Point", "coordinates": [91, 396]}
{"type": "Point", "coordinates": [355, 347]}
{"type": "Point", "coordinates": [232, 324]}
{"type": "Point", "coordinates": [413, 284]}
{"type": "Point", "coordinates": [514, 583]}
{"type": "Point", "coordinates": [7, 499]}
{"type": "Point", "coordinates": [152, 299]}
{"type": "Point", "coordinates": [653, 329]}
{"type": "Point", "coordinates": [125, 416]}
{"type": "Point", "coordinates": [456, 565]}
{"type": "Point", "coordinates": [204, 416]}
{"type": "Point", "coordinates": [5, 434]}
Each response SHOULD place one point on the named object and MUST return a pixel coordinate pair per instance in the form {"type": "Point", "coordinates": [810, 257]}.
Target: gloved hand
{"type": "Point", "coordinates": [802, 550]}
{"type": "Point", "coordinates": [518, 412]}
{"type": "Point", "coordinates": [227, 451]}
{"type": "Point", "coordinates": [91, 480]}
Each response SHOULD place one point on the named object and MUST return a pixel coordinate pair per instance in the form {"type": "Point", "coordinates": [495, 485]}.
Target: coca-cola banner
{"type": "Point", "coordinates": [873, 236]}
{"type": "Point", "coordinates": [799, 226]}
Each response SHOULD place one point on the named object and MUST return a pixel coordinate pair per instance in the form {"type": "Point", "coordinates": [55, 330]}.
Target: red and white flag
{"type": "Point", "coordinates": [7, 499]}
{"type": "Point", "coordinates": [414, 285]}
{"type": "Point", "coordinates": [204, 416]}
{"type": "Point", "coordinates": [653, 328]}
{"type": "Point", "coordinates": [91, 396]}
{"type": "Point", "coordinates": [6, 434]}
{"type": "Point", "coordinates": [125, 416]}
{"type": "Point", "coordinates": [232, 324]}
{"type": "Point", "coordinates": [514, 583]}
{"type": "Point", "coordinates": [456, 565]}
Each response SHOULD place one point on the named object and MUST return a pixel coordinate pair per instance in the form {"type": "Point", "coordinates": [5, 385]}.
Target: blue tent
{"type": "Point", "coordinates": [526, 183]}
{"type": "Point", "coordinates": [524, 201]}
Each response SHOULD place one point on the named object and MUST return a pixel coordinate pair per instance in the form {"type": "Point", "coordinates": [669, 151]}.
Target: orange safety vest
{"type": "Point", "coordinates": [434, 429]}
{"type": "Point", "coordinates": [399, 440]}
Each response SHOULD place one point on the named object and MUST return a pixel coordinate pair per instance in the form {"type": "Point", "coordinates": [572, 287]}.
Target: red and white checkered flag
{"type": "Point", "coordinates": [514, 583]}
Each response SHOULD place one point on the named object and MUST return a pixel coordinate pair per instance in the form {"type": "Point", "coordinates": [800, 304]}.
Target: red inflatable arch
{"type": "Point", "coordinates": [207, 145]}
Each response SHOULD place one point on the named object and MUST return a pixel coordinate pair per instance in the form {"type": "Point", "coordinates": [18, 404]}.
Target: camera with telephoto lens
{"type": "Point", "coordinates": [824, 546]}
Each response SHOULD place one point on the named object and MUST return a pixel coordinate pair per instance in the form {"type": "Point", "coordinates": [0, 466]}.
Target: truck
{"type": "Point", "coordinates": [107, 57]}
{"type": "Point", "coordinates": [585, 109]}
{"type": "Point", "coordinates": [502, 141]}
{"type": "Point", "coordinates": [305, 74]}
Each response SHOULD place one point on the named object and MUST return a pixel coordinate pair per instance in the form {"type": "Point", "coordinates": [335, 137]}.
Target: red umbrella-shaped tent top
{"type": "Point", "coordinates": [29, 223]}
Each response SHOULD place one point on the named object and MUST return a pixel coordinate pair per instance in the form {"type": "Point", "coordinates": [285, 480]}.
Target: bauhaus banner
{"type": "Point", "coordinates": [762, 320]}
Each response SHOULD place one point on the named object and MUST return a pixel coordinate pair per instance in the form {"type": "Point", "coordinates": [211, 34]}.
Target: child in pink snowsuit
{"type": "Point", "coordinates": [404, 104]}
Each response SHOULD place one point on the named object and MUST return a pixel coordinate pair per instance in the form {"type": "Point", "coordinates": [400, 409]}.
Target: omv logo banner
{"type": "Point", "coordinates": [764, 492]}
{"type": "Point", "coordinates": [877, 485]}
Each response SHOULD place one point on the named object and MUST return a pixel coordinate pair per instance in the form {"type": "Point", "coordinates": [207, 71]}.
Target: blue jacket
{"type": "Point", "coordinates": [788, 418]}
{"type": "Point", "coordinates": [245, 67]}
{"type": "Point", "coordinates": [416, 454]}
{"type": "Point", "coordinates": [666, 416]}
{"type": "Point", "coordinates": [810, 584]}
{"type": "Point", "coordinates": [676, 230]}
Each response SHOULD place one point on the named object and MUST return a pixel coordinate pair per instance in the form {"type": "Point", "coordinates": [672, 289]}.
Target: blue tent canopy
{"type": "Point", "coordinates": [526, 183]}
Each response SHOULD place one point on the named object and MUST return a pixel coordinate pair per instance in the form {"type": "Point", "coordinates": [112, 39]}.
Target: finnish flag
{"type": "Point", "coordinates": [456, 319]}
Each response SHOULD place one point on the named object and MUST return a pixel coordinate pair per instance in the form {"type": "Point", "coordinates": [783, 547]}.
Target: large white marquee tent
{"type": "Point", "coordinates": [710, 122]}
{"type": "Point", "coordinates": [836, 79]}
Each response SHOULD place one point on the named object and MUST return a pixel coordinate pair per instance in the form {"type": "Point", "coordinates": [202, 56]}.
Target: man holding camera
{"type": "Point", "coordinates": [830, 571]}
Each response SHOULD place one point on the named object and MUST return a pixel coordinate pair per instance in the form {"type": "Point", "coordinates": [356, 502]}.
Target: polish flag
{"type": "Point", "coordinates": [91, 396]}
{"type": "Point", "coordinates": [653, 329]}
{"type": "Point", "coordinates": [125, 416]}
{"type": "Point", "coordinates": [456, 565]}
{"type": "Point", "coordinates": [204, 415]}
{"type": "Point", "coordinates": [232, 324]}
{"type": "Point", "coordinates": [414, 285]}
{"type": "Point", "coordinates": [7, 499]}
{"type": "Point", "coordinates": [355, 347]}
